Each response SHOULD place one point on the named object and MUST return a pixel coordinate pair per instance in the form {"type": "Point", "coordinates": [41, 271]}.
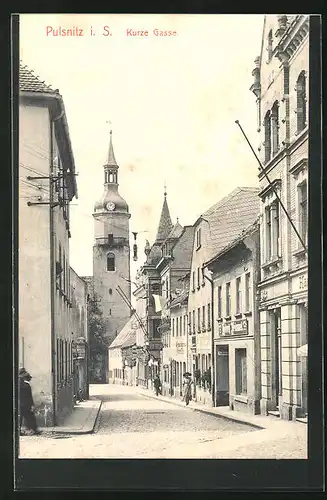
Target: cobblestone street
{"type": "Point", "coordinates": [131, 425]}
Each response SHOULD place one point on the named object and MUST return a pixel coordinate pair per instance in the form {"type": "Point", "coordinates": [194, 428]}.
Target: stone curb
{"type": "Point", "coordinates": [206, 410]}
{"type": "Point", "coordinates": [86, 429]}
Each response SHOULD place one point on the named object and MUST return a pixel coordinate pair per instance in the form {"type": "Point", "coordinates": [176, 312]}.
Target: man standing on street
{"type": "Point", "coordinates": [157, 385]}
{"type": "Point", "coordinates": [26, 402]}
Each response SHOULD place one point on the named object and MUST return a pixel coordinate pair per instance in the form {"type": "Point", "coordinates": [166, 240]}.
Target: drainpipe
{"type": "Point", "coordinates": [212, 339]}
{"type": "Point", "coordinates": [52, 280]}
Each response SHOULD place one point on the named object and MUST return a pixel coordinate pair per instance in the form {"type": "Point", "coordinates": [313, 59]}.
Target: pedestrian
{"type": "Point", "coordinates": [26, 403]}
{"type": "Point", "coordinates": [157, 384]}
{"type": "Point", "coordinates": [187, 388]}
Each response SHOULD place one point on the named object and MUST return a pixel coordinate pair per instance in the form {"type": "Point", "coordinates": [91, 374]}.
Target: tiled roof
{"type": "Point", "coordinates": [125, 334]}
{"type": "Point", "coordinates": [230, 216]}
{"type": "Point", "coordinates": [183, 249]}
{"type": "Point", "coordinates": [176, 231]}
{"type": "Point", "coordinates": [30, 82]}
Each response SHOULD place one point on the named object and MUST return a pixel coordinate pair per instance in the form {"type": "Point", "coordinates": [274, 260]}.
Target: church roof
{"type": "Point", "coordinates": [165, 224]}
{"type": "Point", "coordinates": [111, 155]}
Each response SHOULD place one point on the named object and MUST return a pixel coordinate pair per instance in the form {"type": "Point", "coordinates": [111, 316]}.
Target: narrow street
{"type": "Point", "coordinates": [131, 425]}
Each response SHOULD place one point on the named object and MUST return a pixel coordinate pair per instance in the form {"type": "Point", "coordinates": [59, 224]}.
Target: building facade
{"type": "Point", "coordinates": [214, 230]}
{"type": "Point", "coordinates": [111, 254]}
{"type": "Point", "coordinates": [236, 272]}
{"type": "Point", "coordinates": [79, 333]}
{"type": "Point", "coordinates": [46, 186]}
{"type": "Point", "coordinates": [121, 366]}
{"type": "Point", "coordinates": [281, 90]}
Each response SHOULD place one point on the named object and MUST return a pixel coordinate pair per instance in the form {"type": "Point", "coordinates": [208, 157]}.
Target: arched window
{"type": "Point", "coordinates": [111, 177]}
{"type": "Point", "coordinates": [267, 143]}
{"type": "Point", "coordinates": [301, 101]}
{"type": "Point", "coordinates": [270, 45]}
{"type": "Point", "coordinates": [110, 262]}
{"type": "Point", "coordinates": [275, 128]}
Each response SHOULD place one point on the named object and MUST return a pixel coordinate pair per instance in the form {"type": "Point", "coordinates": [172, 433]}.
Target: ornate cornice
{"type": "Point", "coordinates": [292, 38]}
{"type": "Point", "coordinates": [300, 165]}
{"type": "Point", "coordinates": [268, 189]}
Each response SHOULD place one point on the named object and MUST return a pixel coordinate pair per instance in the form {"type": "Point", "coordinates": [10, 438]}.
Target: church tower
{"type": "Point", "coordinates": [111, 250]}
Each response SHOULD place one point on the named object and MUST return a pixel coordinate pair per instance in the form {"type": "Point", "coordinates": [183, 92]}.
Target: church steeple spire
{"type": "Point", "coordinates": [165, 224]}
{"type": "Point", "coordinates": [111, 155]}
{"type": "Point", "coordinates": [110, 167]}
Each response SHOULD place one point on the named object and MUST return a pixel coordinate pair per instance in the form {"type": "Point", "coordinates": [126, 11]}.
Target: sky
{"type": "Point", "coordinates": [172, 102]}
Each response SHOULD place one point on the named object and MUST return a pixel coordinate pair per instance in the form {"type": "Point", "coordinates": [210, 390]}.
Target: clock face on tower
{"type": "Point", "coordinates": [111, 206]}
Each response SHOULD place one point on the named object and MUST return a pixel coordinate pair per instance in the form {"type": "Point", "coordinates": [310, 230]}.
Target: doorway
{"type": "Point", "coordinates": [276, 357]}
{"type": "Point", "coordinates": [222, 375]}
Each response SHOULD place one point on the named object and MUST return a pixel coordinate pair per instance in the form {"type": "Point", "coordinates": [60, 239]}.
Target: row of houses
{"type": "Point", "coordinates": [226, 298]}
{"type": "Point", "coordinates": [52, 303]}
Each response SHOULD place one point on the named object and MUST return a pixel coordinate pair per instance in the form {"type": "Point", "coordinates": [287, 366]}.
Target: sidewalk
{"type": "Point", "coordinates": [258, 421]}
{"type": "Point", "coordinates": [81, 421]}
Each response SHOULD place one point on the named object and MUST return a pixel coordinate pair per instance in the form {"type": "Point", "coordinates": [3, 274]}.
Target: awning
{"type": "Point", "coordinates": [303, 350]}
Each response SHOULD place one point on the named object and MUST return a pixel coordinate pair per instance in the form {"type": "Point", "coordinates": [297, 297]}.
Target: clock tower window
{"type": "Point", "coordinates": [110, 262]}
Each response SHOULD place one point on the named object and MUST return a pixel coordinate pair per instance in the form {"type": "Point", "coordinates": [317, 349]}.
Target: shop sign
{"type": "Point", "coordinates": [180, 347]}
{"type": "Point", "coordinates": [303, 282]}
{"type": "Point", "coordinates": [240, 327]}
{"type": "Point", "coordinates": [80, 350]}
{"type": "Point", "coordinates": [224, 329]}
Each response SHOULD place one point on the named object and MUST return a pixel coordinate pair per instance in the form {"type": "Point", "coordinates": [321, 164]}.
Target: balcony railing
{"type": "Point", "coordinates": [116, 242]}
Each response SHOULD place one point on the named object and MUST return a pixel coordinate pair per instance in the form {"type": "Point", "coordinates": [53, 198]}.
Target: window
{"type": "Point", "coordinates": [209, 316]}
{"type": "Point", "coordinates": [241, 371]}
{"type": "Point", "coordinates": [219, 302]}
{"type": "Point", "coordinates": [203, 317]}
{"type": "Point", "coordinates": [228, 300]}
{"type": "Point", "coordinates": [60, 263]}
{"type": "Point", "coordinates": [173, 327]}
{"type": "Point", "coordinates": [198, 275]}
{"type": "Point", "coordinates": [110, 239]}
{"type": "Point", "coordinates": [238, 296]}
{"type": "Point", "coordinates": [156, 331]}
{"type": "Point", "coordinates": [193, 320]}
{"type": "Point", "coordinates": [268, 233]}
{"type": "Point", "coordinates": [273, 249]}
{"type": "Point", "coordinates": [198, 238]}
{"type": "Point", "coordinates": [301, 102]}
{"type": "Point", "coordinates": [189, 322]}
{"type": "Point", "coordinates": [303, 211]}
{"type": "Point", "coordinates": [199, 319]}
{"type": "Point", "coordinates": [110, 291]}
{"type": "Point", "coordinates": [193, 281]}
{"type": "Point", "coordinates": [177, 326]}
{"type": "Point", "coordinates": [270, 45]}
{"type": "Point", "coordinates": [110, 262]}
{"type": "Point", "coordinates": [247, 292]}
{"type": "Point", "coordinates": [185, 323]}
{"type": "Point", "coordinates": [275, 128]}
{"type": "Point", "coordinates": [203, 279]}
{"type": "Point", "coordinates": [267, 143]}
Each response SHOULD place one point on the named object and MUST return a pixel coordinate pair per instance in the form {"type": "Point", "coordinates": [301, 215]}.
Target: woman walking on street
{"type": "Point", "coordinates": [187, 388]}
